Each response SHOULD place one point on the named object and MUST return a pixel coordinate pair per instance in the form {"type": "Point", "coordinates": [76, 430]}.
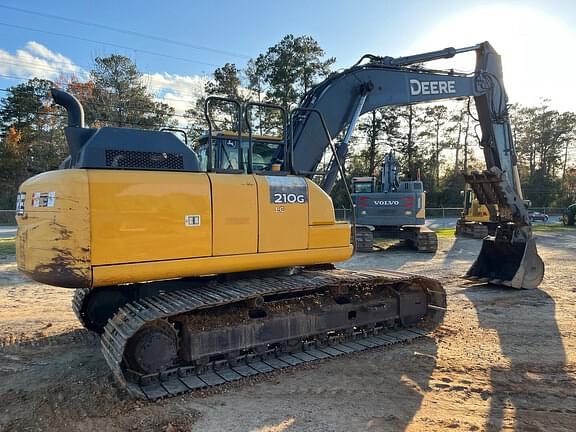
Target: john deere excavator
{"type": "Point", "coordinates": [202, 267]}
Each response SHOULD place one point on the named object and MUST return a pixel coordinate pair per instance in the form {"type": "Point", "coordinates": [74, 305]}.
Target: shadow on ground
{"type": "Point", "coordinates": [520, 389]}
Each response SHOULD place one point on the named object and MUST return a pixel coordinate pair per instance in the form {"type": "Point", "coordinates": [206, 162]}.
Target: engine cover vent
{"type": "Point", "coordinates": [144, 160]}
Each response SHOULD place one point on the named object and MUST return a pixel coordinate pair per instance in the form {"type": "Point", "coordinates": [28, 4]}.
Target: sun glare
{"type": "Point", "coordinates": [535, 48]}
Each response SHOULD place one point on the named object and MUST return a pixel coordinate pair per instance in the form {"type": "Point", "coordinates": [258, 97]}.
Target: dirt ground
{"type": "Point", "coordinates": [502, 360]}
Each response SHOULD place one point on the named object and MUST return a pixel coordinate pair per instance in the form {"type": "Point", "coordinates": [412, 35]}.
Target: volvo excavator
{"type": "Point", "coordinates": [201, 267]}
{"type": "Point", "coordinates": [392, 209]}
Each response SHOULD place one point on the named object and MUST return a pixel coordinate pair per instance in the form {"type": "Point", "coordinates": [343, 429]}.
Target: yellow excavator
{"type": "Point", "coordinates": [477, 220]}
{"type": "Point", "coordinates": [202, 266]}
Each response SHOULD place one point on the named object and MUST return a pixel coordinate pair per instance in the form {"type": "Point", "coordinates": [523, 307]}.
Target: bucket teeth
{"type": "Point", "coordinates": [504, 263]}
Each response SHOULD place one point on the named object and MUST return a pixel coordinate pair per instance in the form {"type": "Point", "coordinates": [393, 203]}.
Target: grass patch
{"type": "Point", "coordinates": [7, 246]}
{"type": "Point", "coordinates": [451, 231]}
{"type": "Point", "coordinates": [553, 228]}
{"type": "Point", "coordinates": [445, 232]}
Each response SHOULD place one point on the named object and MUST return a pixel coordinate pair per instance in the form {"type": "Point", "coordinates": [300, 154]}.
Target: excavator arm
{"type": "Point", "coordinates": [376, 82]}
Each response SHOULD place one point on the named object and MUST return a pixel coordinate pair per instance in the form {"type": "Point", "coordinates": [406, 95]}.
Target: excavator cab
{"type": "Point", "coordinates": [235, 147]}
{"type": "Point", "coordinates": [264, 149]}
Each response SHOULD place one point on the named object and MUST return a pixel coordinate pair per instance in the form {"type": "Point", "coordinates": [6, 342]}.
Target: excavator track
{"type": "Point", "coordinates": [471, 229]}
{"type": "Point", "coordinates": [204, 336]}
{"type": "Point", "coordinates": [78, 301]}
{"type": "Point", "coordinates": [425, 240]}
{"type": "Point", "coordinates": [418, 237]}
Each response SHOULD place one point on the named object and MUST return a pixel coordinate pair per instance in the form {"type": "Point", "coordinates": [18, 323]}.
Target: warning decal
{"type": "Point", "coordinates": [192, 220]}
{"type": "Point", "coordinates": [43, 199]}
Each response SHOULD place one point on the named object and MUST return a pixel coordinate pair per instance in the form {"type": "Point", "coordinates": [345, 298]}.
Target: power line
{"type": "Point", "coordinates": [107, 43]}
{"type": "Point", "coordinates": [124, 31]}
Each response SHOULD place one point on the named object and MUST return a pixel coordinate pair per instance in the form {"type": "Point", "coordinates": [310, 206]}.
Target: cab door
{"type": "Point", "coordinates": [234, 214]}
{"type": "Point", "coordinates": [283, 213]}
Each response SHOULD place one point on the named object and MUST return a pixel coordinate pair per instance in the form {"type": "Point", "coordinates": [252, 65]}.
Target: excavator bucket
{"type": "Point", "coordinates": [504, 263]}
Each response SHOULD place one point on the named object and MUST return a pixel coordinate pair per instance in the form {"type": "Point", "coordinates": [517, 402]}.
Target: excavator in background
{"type": "Point", "coordinates": [391, 209]}
{"type": "Point", "coordinates": [200, 267]}
{"type": "Point", "coordinates": [477, 220]}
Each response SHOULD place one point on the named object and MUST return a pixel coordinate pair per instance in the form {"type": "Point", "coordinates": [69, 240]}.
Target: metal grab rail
{"type": "Point", "coordinates": [210, 156]}
{"type": "Point", "coordinates": [247, 111]}
{"type": "Point", "coordinates": [334, 155]}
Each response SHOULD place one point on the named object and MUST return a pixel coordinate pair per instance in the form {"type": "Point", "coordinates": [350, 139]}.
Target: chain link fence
{"type": "Point", "coordinates": [554, 213]}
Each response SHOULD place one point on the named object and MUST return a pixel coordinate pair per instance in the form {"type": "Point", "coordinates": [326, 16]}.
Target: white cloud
{"type": "Point", "coordinates": [178, 91]}
{"type": "Point", "coordinates": [35, 60]}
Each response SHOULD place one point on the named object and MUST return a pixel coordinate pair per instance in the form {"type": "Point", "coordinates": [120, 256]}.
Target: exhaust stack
{"type": "Point", "coordinates": [76, 133]}
{"type": "Point", "coordinates": [72, 105]}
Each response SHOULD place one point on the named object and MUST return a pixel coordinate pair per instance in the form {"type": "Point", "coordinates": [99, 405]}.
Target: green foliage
{"type": "Point", "coordinates": [380, 131]}
{"type": "Point", "coordinates": [119, 97]}
{"type": "Point", "coordinates": [288, 69]}
{"type": "Point", "coordinates": [448, 193]}
{"type": "Point", "coordinates": [226, 82]}
{"type": "Point", "coordinates": [543, 139]}
{"type": "Point", "coordinates": [543, 190]}
{"type": "Point", "coordinates": [281, 75]}
{"type": "Point", "coordinates": [32, 138]}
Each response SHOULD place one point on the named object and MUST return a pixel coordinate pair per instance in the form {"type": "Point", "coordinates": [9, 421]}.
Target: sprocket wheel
{"type": "Point", "coordinates": [154, 348]}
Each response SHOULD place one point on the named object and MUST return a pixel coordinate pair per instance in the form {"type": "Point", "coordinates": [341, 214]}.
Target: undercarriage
{"type": "Point", "coordinates": [417, 237]}
{"type": "Point", "coordinates": [202, 335]}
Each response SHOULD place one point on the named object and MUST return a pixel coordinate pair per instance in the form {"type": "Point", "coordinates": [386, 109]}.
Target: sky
{"type": "Point", "coordinates": [177, 44]}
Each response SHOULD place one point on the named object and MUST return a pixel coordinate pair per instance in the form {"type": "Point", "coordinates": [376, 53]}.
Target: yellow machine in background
{"type": "Point", "coordinates": [477, 220]}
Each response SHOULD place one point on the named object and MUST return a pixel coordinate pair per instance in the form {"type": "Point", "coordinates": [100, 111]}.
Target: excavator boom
{"type": "Point", "coordinates": [386, 81]}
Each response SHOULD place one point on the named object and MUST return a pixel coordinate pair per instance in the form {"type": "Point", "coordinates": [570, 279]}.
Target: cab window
{"type": "Point", "coordinates": [362, 187]}
{"type": "Point", "coordinates": [225, 153]}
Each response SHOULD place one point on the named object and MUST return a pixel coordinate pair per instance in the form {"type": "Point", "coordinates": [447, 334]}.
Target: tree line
{"type": "Point", "coordinates": [433, 142]}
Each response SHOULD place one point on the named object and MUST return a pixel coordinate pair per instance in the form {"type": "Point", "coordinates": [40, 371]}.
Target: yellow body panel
{"type": "Point", "coordinates": [329, 236]}
{"type": "Point", "coordinates": [319, 213]}
{"type": "Point", "coordinates": [141, 216]}
{"type": "Point", "coordinates": [235, 210]}
{"type": "Point", "coordinates": [283, 225]}
{"type": "Point", "coordinates": [108, 227]}
{"type": "Point", "coordinates": [422, 212]}
{"type": "Point", "coordinates": [53, 241]}
{"type": "Point", "coordinates": [138, 272]}
{"type": "Point", "coordinates": [478, 212]}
